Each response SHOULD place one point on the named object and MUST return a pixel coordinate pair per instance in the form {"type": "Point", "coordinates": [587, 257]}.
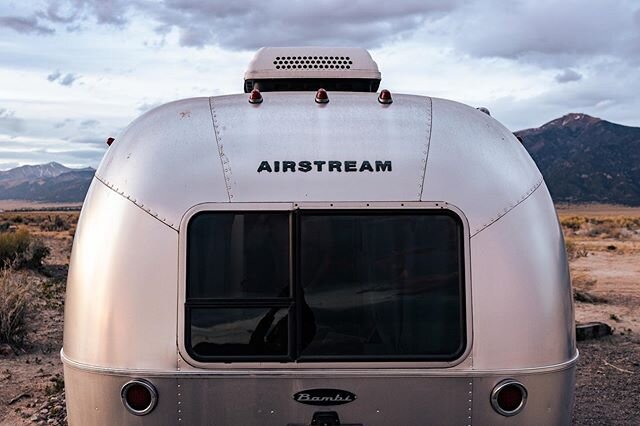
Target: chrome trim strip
{"type": "Point", "coordinates": [325, 372]}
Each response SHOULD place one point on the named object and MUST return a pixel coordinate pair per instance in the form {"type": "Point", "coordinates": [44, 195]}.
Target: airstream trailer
{"type": "Point", "coordinates": [316, 252]}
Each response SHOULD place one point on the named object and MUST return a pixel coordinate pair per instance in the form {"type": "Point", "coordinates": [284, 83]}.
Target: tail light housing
{"type": "Point", "coordinates": [139, 397]}
{"type": "Point", "coordinates": [509, 397]}
{"type": "Point", "coordinates": [322, 97]}
{"type": "Point", "coordinates": [385, 97]}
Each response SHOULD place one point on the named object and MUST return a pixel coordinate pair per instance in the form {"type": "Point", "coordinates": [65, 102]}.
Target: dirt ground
{"type": "Point", "coordinates": [604, 246]}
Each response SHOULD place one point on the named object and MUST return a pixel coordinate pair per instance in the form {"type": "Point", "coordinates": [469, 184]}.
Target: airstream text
{"type": "Point", "coordinates": [322, 165]}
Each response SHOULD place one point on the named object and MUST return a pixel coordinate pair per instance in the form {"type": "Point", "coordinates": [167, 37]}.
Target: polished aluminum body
{"type": "Point", "coordinates": [124, 310]}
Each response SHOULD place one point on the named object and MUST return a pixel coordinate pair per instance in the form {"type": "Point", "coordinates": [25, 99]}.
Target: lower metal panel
{"type": "Point", "coordinates": [94, 399]}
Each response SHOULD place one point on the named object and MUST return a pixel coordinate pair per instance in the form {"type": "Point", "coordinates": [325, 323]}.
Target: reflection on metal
{"type": "Point", "coordinates": [125, 305]}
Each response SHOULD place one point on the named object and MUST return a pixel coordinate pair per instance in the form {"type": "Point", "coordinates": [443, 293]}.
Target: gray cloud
{"type": "Point", "coordinates": [25, 25]}
{"type": "Point", "coordinates": [110, 12]}
{"type": "Point", "coordinates": [568, 75]}
{"type": "Point", "coordinates": [33, 150]}
{"type": "Point", "coordinates": [252, 24]}
{"type": "Point", "coordinates": [8, 165]}
{"type": "Point", "coordinates": [66, 80]}
{"type": "Point", "coordinates": [9, 123]}
{"type": "Point", "coordinates": [62, 123]}
{"type": "Point", "coordinates": [54, 76]}
{"type": "Point", "coordinates": [548, 33]}
{"type": "Point", "coordinates": [89, 123]}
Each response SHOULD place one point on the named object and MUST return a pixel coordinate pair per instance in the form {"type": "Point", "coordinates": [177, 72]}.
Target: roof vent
{"type": "Point", "coordinates": [310, 68]}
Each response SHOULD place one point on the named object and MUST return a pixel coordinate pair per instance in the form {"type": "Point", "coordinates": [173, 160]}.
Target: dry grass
{"type": "Point", "coordinates": [15, 300]}
{"type": "Point", "coordinates": [616, 227]}
{"type": "Point", "coordinates": [583, 281]}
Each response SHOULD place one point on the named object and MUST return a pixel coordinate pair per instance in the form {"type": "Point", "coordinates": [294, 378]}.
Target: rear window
{"type": "Point", "coordinates": [325, 286]}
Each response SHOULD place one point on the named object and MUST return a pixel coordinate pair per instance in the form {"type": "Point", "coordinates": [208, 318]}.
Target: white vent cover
{"type": "Point", "coordinates": [312, 62]}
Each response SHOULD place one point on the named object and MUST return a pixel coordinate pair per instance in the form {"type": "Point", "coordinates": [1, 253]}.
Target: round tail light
{"type": "Point", "coordinates": [509, 397]}
{"type": "Point", "coordinates": [139, 397]}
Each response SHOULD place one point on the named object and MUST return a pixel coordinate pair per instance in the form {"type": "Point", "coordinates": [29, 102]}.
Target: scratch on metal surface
{"type": "Point", "coordinates": [224, 160]}
{"type": "Point", "coordinates": [425, 150]}
{"type": "Point", "coordinates": [507, 209]}
{"type": "Point", "coordinates": [136, 202]}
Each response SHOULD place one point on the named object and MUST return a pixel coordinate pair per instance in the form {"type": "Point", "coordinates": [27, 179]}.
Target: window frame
{"type": "Point", "coordinates": [320, 362]}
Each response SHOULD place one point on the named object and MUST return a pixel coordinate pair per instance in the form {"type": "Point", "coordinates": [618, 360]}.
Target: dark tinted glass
{"type": "Point", "coordinates": [238, 332]}
{"type": "Point", "coordinates": [238, 255]}
{"type": "Point", "coordinates": [382, 285]}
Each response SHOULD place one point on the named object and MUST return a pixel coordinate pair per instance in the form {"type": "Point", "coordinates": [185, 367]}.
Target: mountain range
{"type": "Point", "coordinates": [51, 182]}
{"type": "Point", "coordinates": [583, 159]}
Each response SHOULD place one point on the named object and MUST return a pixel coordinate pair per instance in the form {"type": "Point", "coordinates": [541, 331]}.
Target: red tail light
{"type": "Point", "coordinates": [255, 97]}
{"type": "Point", "coordinates": [322, 97]}
{"type": "Point", "coordinates": [385, 97]}
{"type": "Point", "coordinates": [509, 398]}
{"type": "Point", "coordinates": [139, 397]}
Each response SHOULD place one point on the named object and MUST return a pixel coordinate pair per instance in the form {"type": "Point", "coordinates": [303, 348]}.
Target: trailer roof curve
{"type": "Point", "coordinates": [224, 149]}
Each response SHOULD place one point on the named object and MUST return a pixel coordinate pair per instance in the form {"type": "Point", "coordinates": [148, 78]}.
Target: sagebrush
{"type": "Point", "coordinates": [20, 249]}
{"type": "Point", "coordinates": [15, 300]}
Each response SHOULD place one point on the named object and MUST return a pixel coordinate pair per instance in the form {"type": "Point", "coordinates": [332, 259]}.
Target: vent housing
{"type": "Point", "coordinates": [311, 68]}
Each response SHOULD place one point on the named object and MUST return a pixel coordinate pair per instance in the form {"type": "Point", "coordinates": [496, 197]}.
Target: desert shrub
{"type": "Point", "coordinates": [604, 229]}
{"type": "Point", "coordinates": [20, 249]}
{"type": "Point", "coordinates": [14, 305]}
{"type": "Point", "coordinates": [574, 251]}
{"type": "Point", "coordinates": [574, 223]}
{"type": "Point", "coordinates": [35, 255]}
{"type": "Point", "coordinates": [13, 246]}
{"type": "Point", "coordinates": [56, 224]}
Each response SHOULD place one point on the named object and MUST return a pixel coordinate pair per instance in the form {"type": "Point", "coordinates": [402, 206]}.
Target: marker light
{"type": "Point", "coordinates": [255, 97]}
{"type": "Point", "coordinates": [139, 397]}
{"type": "Point", "coordinates": [508, 398]}
{"type": "Point", "coordinates": [322, 97]}
{"type": "Point", "coordinates": [385, 97]}
{"type": "Point", "coordinates": [110, 141]}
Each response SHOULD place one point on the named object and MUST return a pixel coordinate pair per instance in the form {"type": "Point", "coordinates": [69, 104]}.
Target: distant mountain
{"type": "Point", "coordinates": [586, 159]}
{"type": "Point", "coordinates": [582, 158]}
{"type": "Point", "coordinates": [51, 182]}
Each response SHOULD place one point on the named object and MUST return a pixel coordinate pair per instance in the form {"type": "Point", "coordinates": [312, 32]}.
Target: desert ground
{"type": "Point", "coordinates": [603, 244]}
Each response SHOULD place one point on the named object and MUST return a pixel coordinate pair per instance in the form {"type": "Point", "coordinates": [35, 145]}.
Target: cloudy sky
{"type": "Point", "coordinates": [73, 72]}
